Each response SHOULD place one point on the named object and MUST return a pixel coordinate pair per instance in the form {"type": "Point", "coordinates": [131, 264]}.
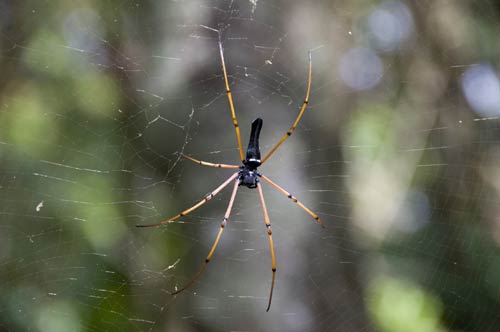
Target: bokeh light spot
{"type": "Point", "coordinates": [360, 68]}
{"type": "Point", "coordinates": [391, 24]}
{"type": "Point", "coordinates": [482, 90]}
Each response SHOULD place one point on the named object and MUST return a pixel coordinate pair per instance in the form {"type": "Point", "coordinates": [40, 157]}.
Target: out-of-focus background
{"type": "Point", "coordinates": [398, 152]}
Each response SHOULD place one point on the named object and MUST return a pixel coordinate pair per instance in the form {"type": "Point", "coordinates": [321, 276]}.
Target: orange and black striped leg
{"type": "Point", "coordinates": [197, 205]}
{"type": "Point", "coordinates": [216, 242]}
{"type": "Point", "coordinates": [302, 109]}
{"type": "Point", "coordinates": [290, 196]}
{"type": "Point", "coordinates": [230, 99]}
{"type": "Point", "coordinates": [271, 245]}
{"type": "Point", "coordinates": [205, 163]}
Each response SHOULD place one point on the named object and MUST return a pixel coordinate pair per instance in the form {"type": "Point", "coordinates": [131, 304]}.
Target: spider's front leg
{"type": "Point", "coordinates": [299, 116]}
{"type": "Point", "coordinates": [230, 100]}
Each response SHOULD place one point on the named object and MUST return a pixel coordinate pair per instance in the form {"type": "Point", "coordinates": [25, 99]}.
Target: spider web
{"type": "Point", "coordinates": [397, 153]}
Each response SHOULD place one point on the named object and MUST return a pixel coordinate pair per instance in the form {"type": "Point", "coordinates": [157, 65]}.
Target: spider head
{"type": "Point", "coordinates": [248, 177]}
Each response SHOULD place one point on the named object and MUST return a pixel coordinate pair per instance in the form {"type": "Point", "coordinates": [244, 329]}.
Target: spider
{"type": "Point", "coordinates": [247, 176]}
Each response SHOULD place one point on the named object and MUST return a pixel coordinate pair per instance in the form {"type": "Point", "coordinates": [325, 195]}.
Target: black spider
{"type": "Point", "coordinates": [247, 176]}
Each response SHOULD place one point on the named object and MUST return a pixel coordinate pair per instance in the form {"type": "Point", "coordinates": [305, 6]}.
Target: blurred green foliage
{"type": "Point", "coordinates": [96, 97]}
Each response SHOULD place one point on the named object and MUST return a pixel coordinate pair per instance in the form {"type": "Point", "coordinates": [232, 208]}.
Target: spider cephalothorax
{"type": "Point", "coordinates": [247, 176]}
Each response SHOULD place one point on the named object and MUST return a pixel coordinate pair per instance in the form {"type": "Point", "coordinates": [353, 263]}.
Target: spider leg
{"type": "Point", "coordinates": [205, 163]}
{"type": "Point", "coordinates": [295, 200]}
{"type": "Point", "coordinates": [271, 245]}
{"type": "Point", "coordinates": [230, 99]}
{"type": "Point", "coordinates": [216, 242]}
{"type": "Point", "coordinates": [302, 109]}
{"type": "Point", "coordinates": [197, 205]}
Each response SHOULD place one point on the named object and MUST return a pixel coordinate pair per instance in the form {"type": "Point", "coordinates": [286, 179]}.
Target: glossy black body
{"type": "Point", "coordinates": [248, 174]}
